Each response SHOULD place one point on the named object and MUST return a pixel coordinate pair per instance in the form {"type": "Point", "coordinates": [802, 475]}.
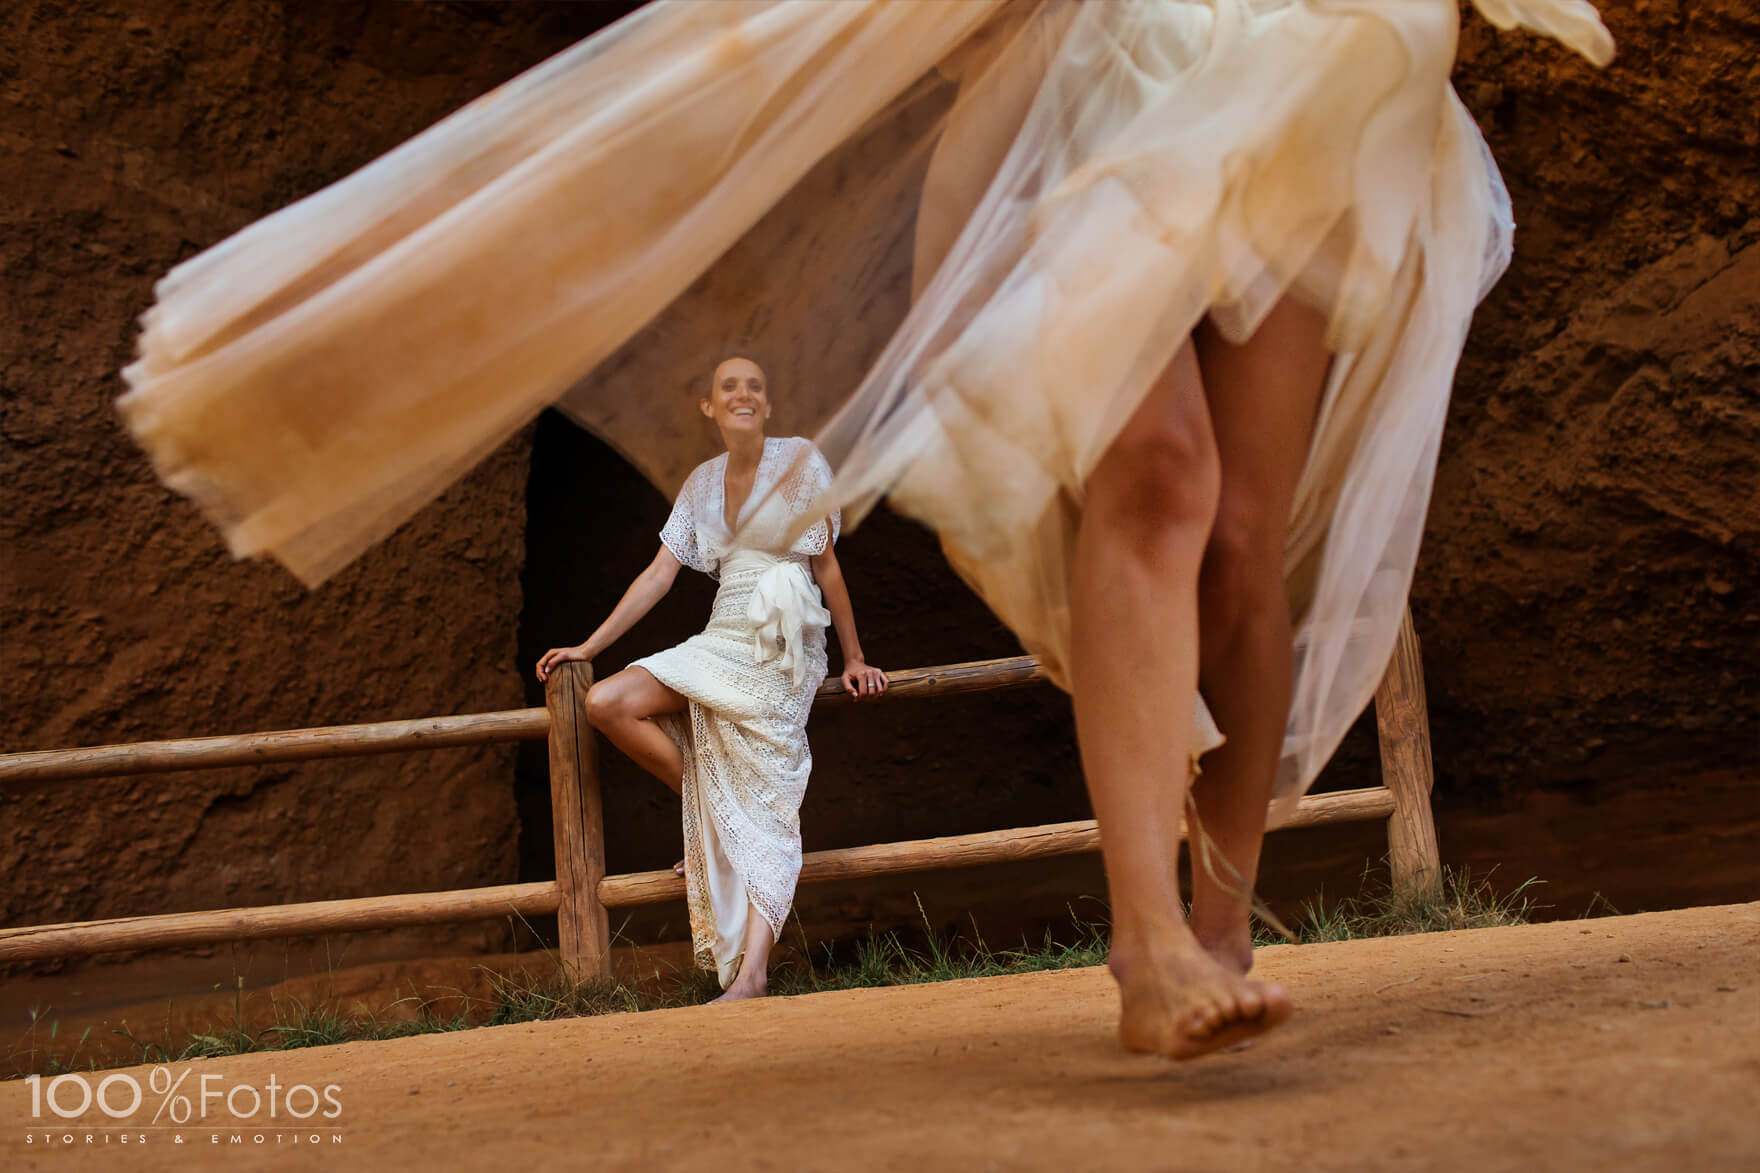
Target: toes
{"type": "Point", "coordinates": [1203, 1020]}
{"type": "Point", "coordinates": [1216, 1014]}
{"type": "Point", "coordinates": [1277, 1004]}
{"type": "Point", "coordinates": [1232, 1014]}
{"type": "Point", "coordinates": [1249, 1002]}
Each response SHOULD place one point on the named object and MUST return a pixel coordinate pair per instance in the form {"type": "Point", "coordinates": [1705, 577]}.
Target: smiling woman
{"type": "Point", "coordinates": [722, 717]}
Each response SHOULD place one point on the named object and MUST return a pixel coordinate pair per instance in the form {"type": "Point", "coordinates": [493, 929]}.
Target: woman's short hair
{"type": "Point", "coordinates": [749, 353]}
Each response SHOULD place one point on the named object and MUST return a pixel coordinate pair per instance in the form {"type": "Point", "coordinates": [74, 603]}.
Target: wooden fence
{"type": "Point", "coordinates": [582, 893]}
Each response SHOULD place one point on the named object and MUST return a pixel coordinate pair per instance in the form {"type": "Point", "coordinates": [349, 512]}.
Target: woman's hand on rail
{"type": "Point", "coordinates": [555, 656]}
{"type": "Point", "coordinates": [860, 680]}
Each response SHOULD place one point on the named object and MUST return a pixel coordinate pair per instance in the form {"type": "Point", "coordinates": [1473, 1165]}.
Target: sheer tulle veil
{"type": "Point", "coordinates": [971, 231]}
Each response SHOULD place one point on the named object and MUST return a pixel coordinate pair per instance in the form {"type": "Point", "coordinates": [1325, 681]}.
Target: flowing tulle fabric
{"type": "Point", "coordinates": [1103, 176]}
{"type": "Point", "coordinates": [318, 377]}
{"type": "Point", "coordinates": [1169, 161]}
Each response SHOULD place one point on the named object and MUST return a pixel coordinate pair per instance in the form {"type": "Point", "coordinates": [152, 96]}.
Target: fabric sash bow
{"type": "Point", "coordinates": [785, 602]}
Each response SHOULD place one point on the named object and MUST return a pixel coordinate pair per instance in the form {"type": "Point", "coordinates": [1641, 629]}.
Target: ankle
{"type": "Point", "coordinates": [1136, 934]}
{"type": "Point", "coordinates": [1221, 920]}
{"type": "Point", "coordinates": [1233, 949]}
{"type": "Point", "coordinates": [1136, 954]}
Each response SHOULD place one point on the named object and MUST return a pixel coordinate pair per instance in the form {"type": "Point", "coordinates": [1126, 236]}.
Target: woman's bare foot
{"type": "Point", "coordinates": [1182, 1003]}
{"type": "Point", "coordinates": [678, 868]}
{"type": "Point", "coordinates": [752, 977]}
{"type": "Point", "coordinates": [740, 991]}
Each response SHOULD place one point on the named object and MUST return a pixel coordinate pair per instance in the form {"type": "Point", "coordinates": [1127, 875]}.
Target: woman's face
{"type": "Point", "coordinates": [738, 399]}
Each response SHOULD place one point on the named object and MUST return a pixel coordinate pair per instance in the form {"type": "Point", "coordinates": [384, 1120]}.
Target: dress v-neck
{"type": "Point", "coordinates": [751, 494]}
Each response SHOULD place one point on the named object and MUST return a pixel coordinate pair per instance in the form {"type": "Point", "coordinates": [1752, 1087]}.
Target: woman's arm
{"type": "Point", "coordinates": [649, 588]}
{"type": "Point", "coordinates": [859, 680]}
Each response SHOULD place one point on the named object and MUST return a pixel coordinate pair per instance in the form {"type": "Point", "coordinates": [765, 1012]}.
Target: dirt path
{"type": "Point", "coordinates": [1625, 1043]}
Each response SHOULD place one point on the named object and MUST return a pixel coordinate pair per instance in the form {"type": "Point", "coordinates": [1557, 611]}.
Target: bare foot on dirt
{"type": "Point", "coordinates": [740, 992]}
{"type": "Point", "coordinates": [1182, 1002]}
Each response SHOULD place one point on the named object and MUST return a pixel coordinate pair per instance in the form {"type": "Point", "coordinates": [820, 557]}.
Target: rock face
{"type": "Point", "coordinates": [132, 137]}
{"type": "Point", "coordinates": [1588, 590]}
{"type": "Point", "coordinates": [1587, 594]}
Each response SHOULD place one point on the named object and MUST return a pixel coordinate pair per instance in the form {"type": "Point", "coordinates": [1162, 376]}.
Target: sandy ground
{"type": "Point", "coordinates": [1623, 1043]}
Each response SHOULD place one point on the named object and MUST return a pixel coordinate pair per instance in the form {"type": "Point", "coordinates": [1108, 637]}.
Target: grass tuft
{"type": "Point", "coordinates": [1463, 902]}
{"type": "Point", "coordinates": [885, 960]}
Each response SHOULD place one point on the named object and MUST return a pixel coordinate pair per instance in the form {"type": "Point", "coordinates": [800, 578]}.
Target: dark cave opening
{"type": "Point", "coordinates": [899, 770]}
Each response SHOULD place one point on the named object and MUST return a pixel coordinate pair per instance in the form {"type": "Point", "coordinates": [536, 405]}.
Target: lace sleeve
{"type": "Point", "coordinates": [806, 483]}
{"type": "Point", "coordinates": [680, 532]}
{"type": "Point", "coordinates": [1573, 22]}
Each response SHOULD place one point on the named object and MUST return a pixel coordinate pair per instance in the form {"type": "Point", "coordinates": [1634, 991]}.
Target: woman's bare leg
{"type": "Point", "coordinates": [623, 708]}
{"type": "Point", "coordinates": [1134, 665]}
{"type": "Point", "coordinates": [754, 966]}
{"type": "Point", "coordinates": [1263, 396]}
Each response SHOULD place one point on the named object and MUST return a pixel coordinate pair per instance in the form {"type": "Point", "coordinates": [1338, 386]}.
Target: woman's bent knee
{"type": "Point", "coordinates": [605, 705]}
{"type": "Point", "coordinates": [1158, 484]}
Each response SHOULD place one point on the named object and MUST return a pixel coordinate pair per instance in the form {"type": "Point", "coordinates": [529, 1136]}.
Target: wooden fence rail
{"type": "Point", "coordinates": [346, 741]}
{"type": "Point", "coordinates": [261, 749]}
{"type": "Point", "coordinates": [962, 851]}
{"type": "Point", "coordinates": [582, 892]}
{"type": "Point", "coordinates": [78, 939]}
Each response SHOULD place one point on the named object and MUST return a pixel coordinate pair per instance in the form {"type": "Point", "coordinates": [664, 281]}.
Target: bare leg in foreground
{"type": "Point", "coordinates": [1263, 396]}
{"type": "Point", "coordinates": [1147, 519]}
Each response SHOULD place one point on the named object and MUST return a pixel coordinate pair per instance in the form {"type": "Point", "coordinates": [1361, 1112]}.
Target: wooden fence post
{"type": "Point", "coordinates": [582, 925]}
{"type": "Point", "coordinates": [1403, 721]}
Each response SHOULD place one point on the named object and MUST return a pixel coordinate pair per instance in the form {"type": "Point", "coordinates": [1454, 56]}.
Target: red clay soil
{"type": "Point", "coordinates": [1625, 1043]}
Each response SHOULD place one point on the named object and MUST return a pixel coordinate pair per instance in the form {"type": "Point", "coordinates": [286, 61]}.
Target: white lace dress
{"type": "Point", "coordinates": [750, 678]}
